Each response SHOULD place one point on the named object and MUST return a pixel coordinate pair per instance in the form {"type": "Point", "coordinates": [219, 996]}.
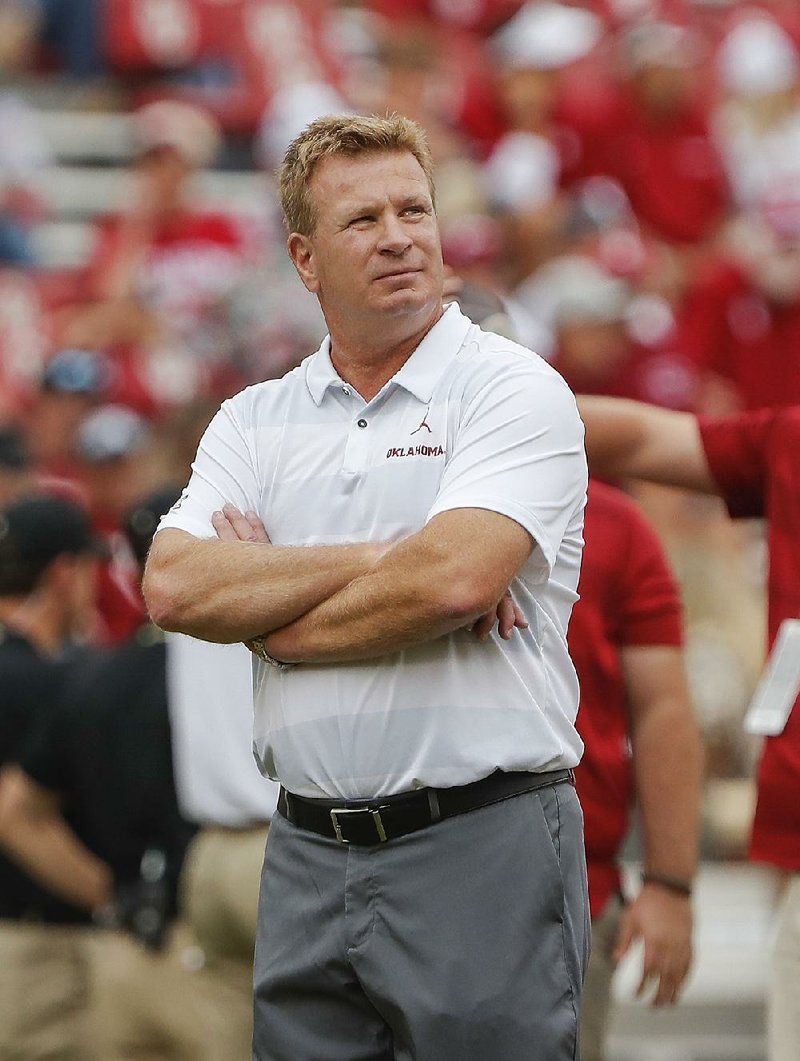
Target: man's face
{"type": "Point", "coordinates": [375, 252]}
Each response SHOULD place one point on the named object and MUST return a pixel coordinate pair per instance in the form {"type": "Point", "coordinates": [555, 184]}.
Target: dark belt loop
{"type": "Point", "coordinates": [433, 803]}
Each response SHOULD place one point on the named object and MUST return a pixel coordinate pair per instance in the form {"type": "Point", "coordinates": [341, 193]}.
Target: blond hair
{"type": "Point", "coordinates": [348, 135]}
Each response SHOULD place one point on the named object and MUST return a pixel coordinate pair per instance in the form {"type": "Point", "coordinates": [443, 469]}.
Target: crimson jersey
{"type": "Point", "coordinates": [628, 597]}
{"type": "Point", "coordinates": [729, 328]}
{"type": "Point", "coordinates": [670, 170]}
{"type": "Point", "coordinates": [755, 460]}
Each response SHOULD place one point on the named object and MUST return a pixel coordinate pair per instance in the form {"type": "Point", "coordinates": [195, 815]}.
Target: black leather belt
{"type": "Point", "coordinates": [367, 822]}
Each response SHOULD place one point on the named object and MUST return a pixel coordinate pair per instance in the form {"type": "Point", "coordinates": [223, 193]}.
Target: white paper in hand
{"type": "Point", "coordinates": [779, 686]}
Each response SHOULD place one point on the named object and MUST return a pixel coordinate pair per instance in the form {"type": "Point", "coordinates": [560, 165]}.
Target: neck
{"type": "Point", "coordinates": [37, 619]}
{"type": "Point", "coordinates": [368, 364]}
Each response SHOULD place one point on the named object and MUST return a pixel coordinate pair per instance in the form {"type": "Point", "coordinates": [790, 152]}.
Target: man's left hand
{"type": "Point", "coordinates": [663, 922]}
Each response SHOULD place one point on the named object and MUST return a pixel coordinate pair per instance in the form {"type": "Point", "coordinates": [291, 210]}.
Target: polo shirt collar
{"type": "Point", "coordinates": [419, 375]}
{"type": "Point", "coordinates": [320, 373]}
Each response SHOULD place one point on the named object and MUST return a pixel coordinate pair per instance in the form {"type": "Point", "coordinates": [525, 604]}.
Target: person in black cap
{"type": "Point", "coordinates": [97, 774]}
{"type": "Point", "coordinates": [46, 587]}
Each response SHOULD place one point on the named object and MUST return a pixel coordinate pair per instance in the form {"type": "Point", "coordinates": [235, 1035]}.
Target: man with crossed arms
{"type": "Point", "coordinates": [425, 894]}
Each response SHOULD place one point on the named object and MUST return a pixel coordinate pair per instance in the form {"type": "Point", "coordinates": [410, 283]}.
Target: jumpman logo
{"type": "Point", "coordinates": [424, 424]}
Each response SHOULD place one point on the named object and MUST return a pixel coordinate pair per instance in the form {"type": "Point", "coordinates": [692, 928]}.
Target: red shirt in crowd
{"type": "Point", "coordinates": [192, 260]}
{"type": "Point", "coordinates": [628, 597]}
{"type": "Point", "coordinates": [730, 329]}
{"type": "Point", "coordinates": [670, 169]}
{"type": "Point", "coordinates": [755, 460]}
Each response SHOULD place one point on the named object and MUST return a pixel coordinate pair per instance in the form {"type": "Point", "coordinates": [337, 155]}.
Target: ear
{"type": "Point", "coordinates": [301, 252]}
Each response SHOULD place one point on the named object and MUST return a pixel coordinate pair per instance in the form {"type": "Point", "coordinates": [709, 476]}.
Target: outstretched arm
{"type": "Point", "coordinates": [632, 440]}
{"type": "Point", "coordinates": [667, 760]}
{"type": "Point", "coordinates": [448, 575]}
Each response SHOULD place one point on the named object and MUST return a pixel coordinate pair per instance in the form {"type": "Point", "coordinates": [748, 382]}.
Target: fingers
{"type": "Point", "coordinates": [667, 976]}
{"type": "Point", "coordinates": [223, 527]}
{"type": "Point", "coordinates": [482, 627]}
{"type": "Point", "coordinates": [506, 616]}
{"type": "Point", "coordinates": [232, 525]}
{"type": "Point", "coordinates": [627, 934]}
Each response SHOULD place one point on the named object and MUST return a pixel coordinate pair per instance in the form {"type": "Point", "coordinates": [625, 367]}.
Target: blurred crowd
{"type": "Point", "coordinates": [624, 175]}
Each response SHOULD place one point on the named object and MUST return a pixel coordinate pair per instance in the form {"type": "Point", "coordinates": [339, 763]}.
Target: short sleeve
{"type": "Point", "coordinates": [736, 450]}
{"type": "Point", "coordinates": [223, 472]}
{"type": "Point", "coordinates": [519, 451]}
{"type": "Point", "coordinates": [650, 604]}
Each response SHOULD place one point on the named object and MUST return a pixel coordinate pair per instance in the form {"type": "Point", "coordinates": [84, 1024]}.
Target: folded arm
{"type": "Point", "coordinates": [235, 590]}
{"type": "Point", "coordinates": [446, 576]}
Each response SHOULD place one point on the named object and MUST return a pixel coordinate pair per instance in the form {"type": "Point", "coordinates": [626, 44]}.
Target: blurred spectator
{"type": "Point", "coordinates": [741, 320]}
{"type": "Point", "coordinates": [112, 470]}
{"type": "Point", "coordinates": [163, 273]}
{"type": "Point", "coordinates": [71, 384]}
{"type": "Point", "coordinates": [221, 789]}
{"type": "Point", "coordinates": [603, 340]}
{"type": "Point", "coordinates": [652, 133]}
{"type": "Point", "coordinates": [46, 583]}
{"type": "Point", "coordinates": [641, 745]}
{"type": "Point", "coordinates": [534, 52]}
{"type": "Point", "coordinates": [95, 778]}
{"type": "Point", "coordinates": [758, 123]}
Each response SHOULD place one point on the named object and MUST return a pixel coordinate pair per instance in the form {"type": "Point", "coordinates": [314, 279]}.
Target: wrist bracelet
{"type": "Point", "coordinates": [671, 884]}
{"type": "Point", "coordinates": [258, 648]}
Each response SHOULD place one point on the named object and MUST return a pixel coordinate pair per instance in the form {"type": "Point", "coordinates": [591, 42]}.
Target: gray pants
{"type": "Point", "coordinates": [465, 941]}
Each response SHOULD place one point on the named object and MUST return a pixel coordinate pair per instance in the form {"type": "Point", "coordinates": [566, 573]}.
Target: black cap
{"type": "Point", "coordinates": [33, 532]}
{"type": "Point", "coordinates": [143, 518]}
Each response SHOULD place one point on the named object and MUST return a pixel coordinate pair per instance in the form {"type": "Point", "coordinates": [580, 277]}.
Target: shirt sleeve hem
{"type": "Point", "coordinates": [504, 507]}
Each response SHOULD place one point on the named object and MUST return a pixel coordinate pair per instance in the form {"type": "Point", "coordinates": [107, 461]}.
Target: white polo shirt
{"type": "Point", "coordinates": [471, 420]}
{"type": "Point", "coordinates": [211, 718]}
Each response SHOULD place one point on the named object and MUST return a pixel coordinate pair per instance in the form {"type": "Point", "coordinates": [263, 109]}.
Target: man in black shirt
{"type": "Point", "coordinates": [46, 587]}
{"type": "Point", "coordinates": [97, 773]}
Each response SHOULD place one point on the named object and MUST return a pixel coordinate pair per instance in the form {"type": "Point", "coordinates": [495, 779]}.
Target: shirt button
{"type": "Point", "coordinates": [362, 422]}
{"type": "Point", "coordinates": [346, 390]}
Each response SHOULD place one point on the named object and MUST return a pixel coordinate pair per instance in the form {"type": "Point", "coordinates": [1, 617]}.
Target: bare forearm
{"type": "Point", "coordinates": [668, 763]}
{"type": "Point", "coordinates": [424, 587]}
{"type": "Point", "coordinates": [50, 852]}
{"type": "Point", "coordinates": [632, 440]}
{"type": "Point", "coordinates": [233, 591]}
{"type": "Point", "coordinates": [371, 617]}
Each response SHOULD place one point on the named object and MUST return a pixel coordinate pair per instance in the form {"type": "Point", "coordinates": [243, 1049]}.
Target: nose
{"type": "Point", "coordinates": [394, 238]}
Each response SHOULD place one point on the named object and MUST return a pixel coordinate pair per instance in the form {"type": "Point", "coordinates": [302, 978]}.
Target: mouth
{"type": "Point", "coordinates": [399, 274]}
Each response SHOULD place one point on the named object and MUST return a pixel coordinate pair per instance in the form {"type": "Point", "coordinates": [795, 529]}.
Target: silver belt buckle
{"type": "Point", "coordinates": [374, 814]}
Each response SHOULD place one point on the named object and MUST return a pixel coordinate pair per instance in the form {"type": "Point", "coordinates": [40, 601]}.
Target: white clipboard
{"type": "Point", "coordinates": [779, 686]}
